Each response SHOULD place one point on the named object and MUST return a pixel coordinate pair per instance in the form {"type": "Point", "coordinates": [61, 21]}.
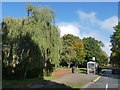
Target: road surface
{"type": "Point", "coordinates": [107, 81]}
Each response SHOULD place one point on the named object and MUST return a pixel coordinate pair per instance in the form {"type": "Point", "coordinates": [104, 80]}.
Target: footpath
{"type": "Point", "coordinates": [76, 80]}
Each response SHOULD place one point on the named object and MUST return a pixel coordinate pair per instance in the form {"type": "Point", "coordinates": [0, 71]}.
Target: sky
{"type": "Point", "coordinates": [83, 19]}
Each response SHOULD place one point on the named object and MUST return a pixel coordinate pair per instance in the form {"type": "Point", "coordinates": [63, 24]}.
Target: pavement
{"type": "Point", "coordinates": [107, 81]}
{"type": "Point", "coordinates": [69, 78]}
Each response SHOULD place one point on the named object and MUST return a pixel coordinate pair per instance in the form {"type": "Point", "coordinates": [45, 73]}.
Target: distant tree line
{"type": "Point", "coordinates": [78, 51]}
{"type": "Point", "coordinates": [32, 46]}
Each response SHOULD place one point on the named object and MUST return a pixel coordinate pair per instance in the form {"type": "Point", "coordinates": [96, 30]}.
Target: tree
{"type": "Point", "coordinates": [115, 41]}
{"type": "Point", "coordinates": [80, 51]}
{"type": "Point", "coordinates": [31, 45]}
{"type": "Point", "coordinates": [73, 50]}
{"type": "Point", "coordinates": [102, 58]}
{"type": "Point", "coordinates": [93, 48]}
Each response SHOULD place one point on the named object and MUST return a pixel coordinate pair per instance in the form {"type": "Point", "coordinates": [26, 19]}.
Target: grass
{"type": "Point", "coordinates": [24, 83]}
{"type": "Point", "coordinates": [49, 77]}
{"type": "Point", "coordinates": [75, 84]}
{"type": "Point", "coordinates": [61, 68]}
{"type": "Point", "coordinates": [80, 69]}
{"type": "Point", "coordinates": [103, 70]}
{"type": "Point", "coordinates": [19, 83]}
{"type": "Point", "coordinates": [28, 82]}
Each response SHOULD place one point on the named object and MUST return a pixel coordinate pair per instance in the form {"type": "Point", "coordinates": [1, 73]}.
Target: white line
{"type": "Point", "coordinates": [96, 79]}
{"type": "Point", "coordinates": [106, 86]}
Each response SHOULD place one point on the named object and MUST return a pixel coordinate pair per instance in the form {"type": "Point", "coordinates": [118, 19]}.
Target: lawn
{"type": "Point", "coordinates": [19, 83]}
{"type": "Point", "coordinates": [24, 83]}
{"type": "Point", "coordinates": [28, 82]}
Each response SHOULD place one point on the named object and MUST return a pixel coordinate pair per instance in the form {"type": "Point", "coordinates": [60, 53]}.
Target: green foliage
{"type": "Point", "coordinates": [115, 41]}
{"type": "Point", "coordinates": [31, 45]}
{"type": "Point", "coordinates": [73, 50]}
{"type": "Point", "coordinates": [93, 49]}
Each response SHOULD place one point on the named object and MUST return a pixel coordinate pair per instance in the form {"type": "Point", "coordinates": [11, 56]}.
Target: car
{"type": "Point", "coordinates": [115, 71]}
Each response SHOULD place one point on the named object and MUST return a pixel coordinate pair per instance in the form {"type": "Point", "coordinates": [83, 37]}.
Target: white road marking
{"type": "Point", "coordinates": [106, 86]}
{"type": "Point", "coordinates": [96, 79]}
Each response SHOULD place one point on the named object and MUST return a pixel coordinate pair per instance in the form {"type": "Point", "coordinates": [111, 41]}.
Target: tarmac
{"type": "Point", "coordinates": [69, 78]}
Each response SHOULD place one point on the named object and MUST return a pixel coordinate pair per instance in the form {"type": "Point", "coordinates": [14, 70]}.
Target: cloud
{"type": "Point", "coordinates": [97, 36]}
{"type": "Point", "coordinates": [107, 47]}
{"type": "Point", "coordinates": [109, 23]}
{"type": "Point", "coordinates": [99, 29]}
{"type": "Point", "coordinates": [69, 28]}
{"type": "Point", "coordinates": [89, 17]}
{"type": "Point", "coordinates": [90, 25]}
{"type": "Point", "coordinates": [91, 34]}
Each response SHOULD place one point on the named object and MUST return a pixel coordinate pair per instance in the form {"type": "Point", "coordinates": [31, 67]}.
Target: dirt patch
{"type": "Point", "coordinates": [59, 73]}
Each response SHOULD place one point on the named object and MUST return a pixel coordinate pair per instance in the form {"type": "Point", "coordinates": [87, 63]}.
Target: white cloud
{"type": "Point", "coordinates": [109, 23]}
{"type": "Point", "coordinates": [89, 17]}
{"type": "Point", "coordinates": [90, 26]}
{"type": "Point", "coordinates": [97, 27]}
{"type": "Point", "coordinates": [107, 47]}
{"type": "Point", "coordinates": [69, 28]}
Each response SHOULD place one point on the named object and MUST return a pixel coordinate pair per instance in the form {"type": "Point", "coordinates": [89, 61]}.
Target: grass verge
{"type": "Point", "coordinates": [81, 70]}
{"type": "Point", "coordinates": [23, 83]}
{"type": "Point", "coordinates": [61, 68]}
{"type": "Point", "coordinates": [103, 70]}
{"type": "Point", "coordinates": [49, 77]}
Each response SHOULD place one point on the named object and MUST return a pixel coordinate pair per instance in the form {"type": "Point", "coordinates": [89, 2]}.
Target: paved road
{"type": "Point", "coordinates": [69, 78]}
{"type": "Point", "coordinates": [107, 81]}
{"type": "Point", "coordinates": [76, 77]}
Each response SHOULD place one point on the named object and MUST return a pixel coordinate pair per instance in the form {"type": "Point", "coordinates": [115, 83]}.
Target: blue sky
{"type": "Point", "coordinates": [82, 19]}
{"type": "Point", "coordinates": [103, 10]}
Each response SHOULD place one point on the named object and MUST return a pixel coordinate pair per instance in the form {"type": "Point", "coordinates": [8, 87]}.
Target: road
{"type": "Point", "coordinates": [107, 81]}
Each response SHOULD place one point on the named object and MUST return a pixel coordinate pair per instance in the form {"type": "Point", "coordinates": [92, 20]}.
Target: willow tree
{"type": "Point", "coordinates": [46, 33]}
{"type": "Point", "coordinates": [31, 44]}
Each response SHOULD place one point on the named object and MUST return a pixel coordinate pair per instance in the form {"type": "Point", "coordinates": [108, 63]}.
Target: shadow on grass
{"type": "Point", "coordinates": [43, 85]}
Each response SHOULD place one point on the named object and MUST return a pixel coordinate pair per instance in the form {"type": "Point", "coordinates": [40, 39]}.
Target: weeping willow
{"type": "Point", "coordinates": [31, 44]}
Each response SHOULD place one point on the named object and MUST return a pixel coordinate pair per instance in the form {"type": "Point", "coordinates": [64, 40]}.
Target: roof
{"type": "Point", "coordinates": [91, 62]}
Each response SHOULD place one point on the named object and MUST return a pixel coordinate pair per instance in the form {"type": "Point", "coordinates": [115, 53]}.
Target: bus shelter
{"type": "Point", "coordinates": [91, 67]}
